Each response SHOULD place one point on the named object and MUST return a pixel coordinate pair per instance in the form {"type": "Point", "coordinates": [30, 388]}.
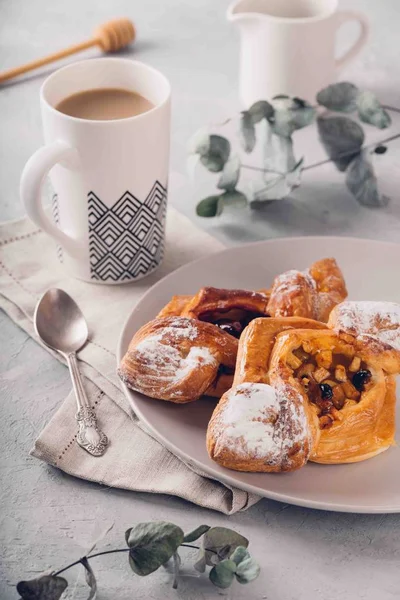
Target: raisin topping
{"type": "Point", "coordinates": [326, 391]}
{"type": "Point", "coordinates": [361, 378]}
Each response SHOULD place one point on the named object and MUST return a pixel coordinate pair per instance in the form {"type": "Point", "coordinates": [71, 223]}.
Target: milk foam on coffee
{"type": "Point", "coordinates": [104, 104]}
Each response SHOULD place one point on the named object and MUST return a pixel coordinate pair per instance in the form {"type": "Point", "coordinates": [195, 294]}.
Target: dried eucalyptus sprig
{"type": "Point", "coordinates": [271, 126]}
{"type": "Point", "coordinates": [155, 544]}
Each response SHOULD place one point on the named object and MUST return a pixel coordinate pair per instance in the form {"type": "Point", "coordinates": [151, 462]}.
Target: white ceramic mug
{"type": "Point", "coordinates": [288, 46]}
{"type": "Point", "coordinates": [109, 177]}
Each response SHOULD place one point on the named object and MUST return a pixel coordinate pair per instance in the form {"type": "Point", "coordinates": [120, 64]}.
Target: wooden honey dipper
{"type": "Point", "coordinates": [110, 37]}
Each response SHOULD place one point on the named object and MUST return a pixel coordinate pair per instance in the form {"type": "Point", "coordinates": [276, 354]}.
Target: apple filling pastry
{"type": "Point", "coordinates": [332, 378]}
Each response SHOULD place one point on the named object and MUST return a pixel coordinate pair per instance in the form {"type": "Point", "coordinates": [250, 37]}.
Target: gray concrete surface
{"type": "Point", "coordinates": [48, 518]}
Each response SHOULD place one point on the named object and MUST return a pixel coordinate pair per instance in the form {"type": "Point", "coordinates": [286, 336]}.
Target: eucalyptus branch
{"type": "Point", "coordinates": [341, 136]}
{"type": "Point", "coordinates": [153, 545]}
{"type": "Point", "coordinates": [392, 108]}
{"type": "Point", "coordinates": [262, 170]}
{"type": "Point", "coordinates": [327, 160]}
{"type": "Point", "coordinates": [79, 561]}
{"type": "Point", "coordinates": [89, 556]}
{"type": "Point", "coordinates": [351, 153]}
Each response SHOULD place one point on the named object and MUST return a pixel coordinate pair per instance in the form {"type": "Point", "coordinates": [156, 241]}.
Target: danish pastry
{"type": "Point", "coordinates": [376, 320]}
{"type": "Point", "coordinates": [257, 426]}
{"type": "Point", "coordinates": [347, 383]}
{"type": "Point", "coordinates": [311, 293]}
{"type": "Point", "coordinates": [177, 359]}
{"type": "Point", "coordinates": [230, 310]}
{"type": "Point", "coordinates": [304, 393]}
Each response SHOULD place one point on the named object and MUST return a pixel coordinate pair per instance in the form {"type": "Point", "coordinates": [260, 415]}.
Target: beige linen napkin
{"type": "Point", "coordinates": [134, 460]}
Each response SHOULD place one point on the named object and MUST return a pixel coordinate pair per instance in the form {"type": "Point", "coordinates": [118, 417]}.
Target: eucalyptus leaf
{"type": "Point", "coordinates": [90, 579]}
{"type": "Point", "coordinates": [219, 539]}
{"type": "Point", "coordinates": [341, 97]}
{"type": "Point", "coordinates": [230, 174]}
{"type": "Point", "coordinates": [290, 114]}
{"type": "Point", "coordinates": [241, 553]}
{"type": "Point", "coordinates": [234, 198]}
{"type": "Point", "coordinates": [199, 142]}
{"type": "Point", "coordinates": [247, 570]}
{"type": "Point", "coordinates": [362, 183]}
{"type": "Point", "coordinates": [194, 535]}
{"type": "Point", "coordinates": [283, 172]}
{"type": "Point", "coordinates": [293, 178]}
{"type": "Point", "coordinates": [247, 132]}
{"type": "Point", "coordinates": [370, 110]}
{"type": "Point", "coordinates": [342, 139]}
{"type": "Point", "coordinates": [46, 587]}
{"type": "Point", "coordinates": [222, 574]}
{"type": "Point", "coordinates": [151, 545]}
{"type": "Point", "coordinates": [261, 110]}
{"type": "Point", "coordinates": [200, 564]}
{"type": "Point", "coordinates": [212, 206]}
{"type": "Point", "coordinates": [169, 566]}
{"type": "Point", "coordinates": [279, 157]}
{"type": "Point", "coordinates": [217, 153]}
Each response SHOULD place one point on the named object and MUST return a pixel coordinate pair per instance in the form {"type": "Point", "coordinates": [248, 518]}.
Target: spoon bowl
{"type": "Point", "coordinates": [61, 325]}
{"type": "Point", "coordinates": [59, 322]}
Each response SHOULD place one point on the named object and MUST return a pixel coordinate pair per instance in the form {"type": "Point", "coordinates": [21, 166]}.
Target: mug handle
{"type": "Point", "coordinates": [32, 178]}
{"type": "Point", "coordinates": [349, 15]}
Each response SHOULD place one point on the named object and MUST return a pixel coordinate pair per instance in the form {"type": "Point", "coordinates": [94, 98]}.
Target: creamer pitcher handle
{"type": "Point", "coordinates": [344, 17]}
{"type": "Point", "coordinates": [32, 179]}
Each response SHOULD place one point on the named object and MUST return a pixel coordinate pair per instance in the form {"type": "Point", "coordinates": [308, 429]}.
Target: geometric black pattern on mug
{"type": "Point", "coordinates": [126, 241]}
{"type": "Point", "coordinates": [56, 218]}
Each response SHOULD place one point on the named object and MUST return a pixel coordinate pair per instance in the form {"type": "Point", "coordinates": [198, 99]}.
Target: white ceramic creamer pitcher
{"type": "Point", "coordinates": [288, 46]}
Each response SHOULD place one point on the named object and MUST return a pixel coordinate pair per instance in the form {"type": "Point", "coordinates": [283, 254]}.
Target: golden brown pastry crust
{"type": "Point", "coordinates": [257, 426]}
{"type": "Point", "coordinates": [176, 358]}
{"type": "Point", "coordinates": [213, 304]}
{"type": "Point", "coordinates": [353, 436]}
{"type": "Point", "coordinates": [257, 343]}
{"type": "Point", "coordinates": [346, 444]}
{"type": "Point", "coordinates": [311, 293]}
{"type": "Point", "coordinates": [269, 404]}
{"type": "Point", "coordinates": [175, 307]}
{"type": "Point", "coordinates": [209, 301]}
{"type": "Point", "coordinates": [376, 320]}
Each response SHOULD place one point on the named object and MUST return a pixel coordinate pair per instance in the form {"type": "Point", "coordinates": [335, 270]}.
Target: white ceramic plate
{"type": "Point", "coordinates": [372, 272]}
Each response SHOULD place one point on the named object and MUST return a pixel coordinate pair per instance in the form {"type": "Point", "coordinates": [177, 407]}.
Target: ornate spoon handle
{"type": "Point", "coordinates": [89, 436]}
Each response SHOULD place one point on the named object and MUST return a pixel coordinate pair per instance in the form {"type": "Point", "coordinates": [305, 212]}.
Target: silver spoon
{"type": "Point", "coordinates": [61, 325]}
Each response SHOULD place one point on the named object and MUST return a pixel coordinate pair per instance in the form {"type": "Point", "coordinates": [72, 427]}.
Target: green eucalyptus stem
{"type": "Point", "coordinates": [344, 154]}
{"type": "Point", "coordinates": [327, 160]}
{"type": "Point", "coordinates": [393, 108]}
{"type": "Point", "coordinates": [262, 169]}
{"type": "Point", "coordinates": [79, 561]}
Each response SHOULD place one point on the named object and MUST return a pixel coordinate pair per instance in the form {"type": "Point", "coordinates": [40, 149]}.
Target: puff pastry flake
{"type": "Point", "coordinates": [311, 293]}
{"type": "Point", "coordinates": [328, 397]}
{"type": "Point", "coordinates": [177, 359]}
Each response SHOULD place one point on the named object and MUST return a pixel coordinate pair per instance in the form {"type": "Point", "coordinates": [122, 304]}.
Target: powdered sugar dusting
{"type": "Point", "coordinates": [166, 360]}
{"type": "Point", "coordinates": [197, 357]}
{"type": "Point", "coordinates": [379, 320]}
{"type": "Point", "coordinates": [290, 285]}
{"type": "Point", "coordinates": [182, 327]}
{"type": "Point", "coordinates": [262, 422]}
